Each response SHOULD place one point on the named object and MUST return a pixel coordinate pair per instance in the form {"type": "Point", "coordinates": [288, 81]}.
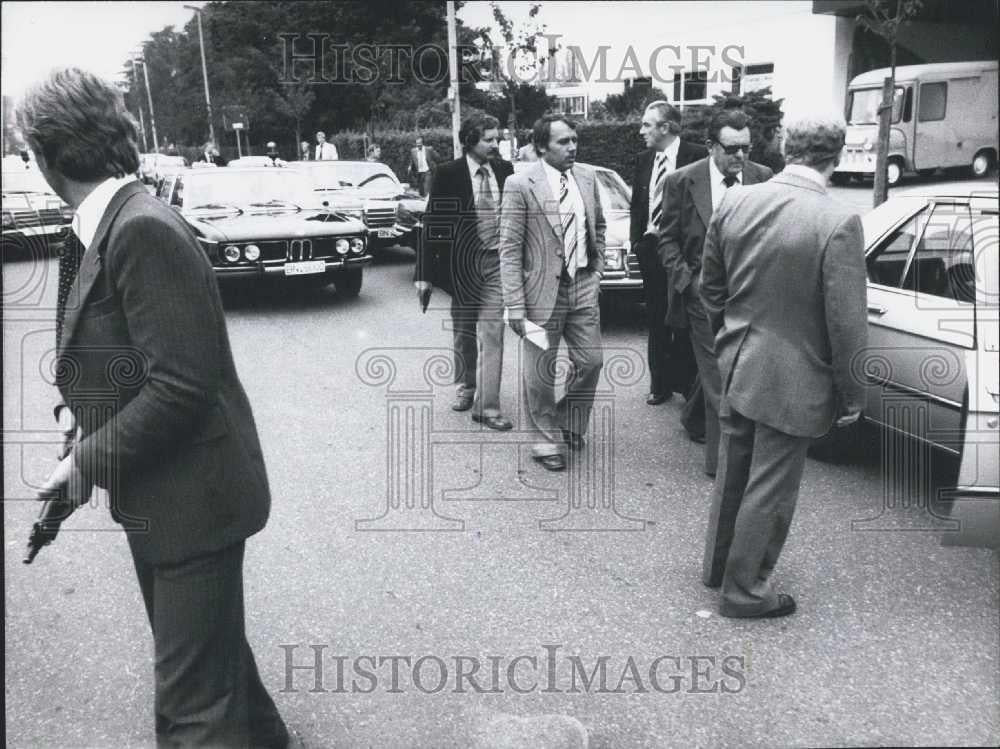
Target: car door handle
{"type": "Point", "coordinates": [874, 309]}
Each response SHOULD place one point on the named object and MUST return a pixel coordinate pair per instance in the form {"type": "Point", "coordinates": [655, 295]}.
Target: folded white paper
{"type": "Point", "coordinates": [533, 332]}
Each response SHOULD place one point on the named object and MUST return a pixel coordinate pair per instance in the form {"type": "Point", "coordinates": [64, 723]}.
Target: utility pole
{"type": "Point", "coordinates": [204, 73]}
{"type": "Point", "coordinates": [149, 96]}
{"type": "Point", "coordinates": [456, 116]}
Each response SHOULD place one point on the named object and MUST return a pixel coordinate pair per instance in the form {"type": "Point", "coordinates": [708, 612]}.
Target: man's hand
{"type": "Point", "coordinates": [517, 325]}
{"type": "Point", "coordinates": [424, 289]}
{"type": "Point", "coordinates": [67, 480]}
{"type": "Point", "coordinates": [848, 418]}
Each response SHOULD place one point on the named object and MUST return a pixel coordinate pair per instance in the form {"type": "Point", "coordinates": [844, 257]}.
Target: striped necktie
{"type": "Point", "coordinates": [486, 210]}
{"type": "Point", "coordinates": [567, 212]}
{"type": "Point", "coordinates": [661, 177]}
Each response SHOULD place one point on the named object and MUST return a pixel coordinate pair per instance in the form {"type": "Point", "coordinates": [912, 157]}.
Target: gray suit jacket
{"type": "Point", "coordinates": [531, 245]}
{"type": "Point", "coordinates": [783, 280]}
{"type": "Point", "coordinates": [145, 365]}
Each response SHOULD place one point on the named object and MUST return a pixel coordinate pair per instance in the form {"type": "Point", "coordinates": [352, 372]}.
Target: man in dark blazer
{"type": "Point", "coordinates": [668, 351]}
{"type": "Point", "coordinates": [459, 254]}
{"type": "Point", "coordinates": [421, 166]}
{"type": "Point", "coordinates": [161, 420]}
{"type": "Point", "coordinates": [210, 155]}
{"type": "Point", "coordinates": [551, 261]}
{"type": "Point", "coordinates": [689, 198]}
{"type": "Point", "coordinates": [783, 281]}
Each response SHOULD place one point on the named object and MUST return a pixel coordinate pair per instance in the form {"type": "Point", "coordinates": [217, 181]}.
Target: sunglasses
{"type": "Point", "coordinates": [733, 150]}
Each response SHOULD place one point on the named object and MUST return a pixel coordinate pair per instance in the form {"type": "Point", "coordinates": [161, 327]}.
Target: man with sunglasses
{"type": "Point", "coordinates": [690, 196]}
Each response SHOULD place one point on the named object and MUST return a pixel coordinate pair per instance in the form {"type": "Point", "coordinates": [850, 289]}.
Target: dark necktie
{"type": "Point", "coordinates": [69, 264]}
{"type": "Point", "coordinates": [729, 180]}
{"type": "Point", "coordinates": [486, 210]}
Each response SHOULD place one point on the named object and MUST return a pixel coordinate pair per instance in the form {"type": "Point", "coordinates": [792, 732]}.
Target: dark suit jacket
{"type": "Point", "coordinates": [145, 365]}
{"type": "Point", "coordinates": [687, 210]}
{"type": "Point", "coordinates": [687, 153]}
{"type": "Point", "coordinates": [217, 160]}
{"type": "Point", "coordinates": [429, 153]}
{"type": "Point", "coordinates": [451, 255]}
{"type": "Point", "coordinates": [783, 282]}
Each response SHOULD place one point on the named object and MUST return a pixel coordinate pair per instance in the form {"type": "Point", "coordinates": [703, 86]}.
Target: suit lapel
{"type": "Point", "coordinates": [586, 186]}
{"type": "Point", "coordinates": [645, 172]}
{"type": "Point", "coordinates": [701, 191]}
{"type": "Point", "coordinates": [546, 200]}
{"type": "Point", "coordinates": [90, 264]}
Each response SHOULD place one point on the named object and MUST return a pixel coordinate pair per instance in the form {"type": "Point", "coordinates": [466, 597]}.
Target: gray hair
{"type": "Point", "coordinates": [814, 140]}
{"type": "Point", "coordinates": [79, 124]}
{"type": "Point", "coordinates": [668, 113]}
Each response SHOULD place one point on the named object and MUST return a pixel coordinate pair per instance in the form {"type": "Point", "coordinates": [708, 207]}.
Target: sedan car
{"type": "Point", "coordinates": [370, 190]}
{"type": "Point", "coordinates": [621, 266]}
{"type": "Point", "coordinates": [265, 222]}
{"type": "Point", "coordinates": [166, 166]}
{"type": "Point", "coordinates": [34, 218]}
{"type": "Point", "coordinates": [931, 367]}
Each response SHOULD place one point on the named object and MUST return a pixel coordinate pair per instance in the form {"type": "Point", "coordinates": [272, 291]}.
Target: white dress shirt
{"type": "Point", "coordinates": [326, 151]}
{"type": "Point", "coordinates": [474, 167]}
{"type": "Point", "coordinates": [576, 199]}
{"type": "Point", "coordinates": [422, 160]}
{"type": "Point", "coordinates": [670, 153]}
{"type": "Point", "coordinates": [88, 216]}
{"type": "Point", "coordinates": [718, 182]}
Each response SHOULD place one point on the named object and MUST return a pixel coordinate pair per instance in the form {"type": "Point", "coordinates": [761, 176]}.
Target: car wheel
{"type": "Point", "coordinates": [893, 172]}
{"type": "Point", "coordinates": [982, 164]}
{"type": "Point", "coordinates": [839, 445]}
{"type": "Point", "coordinates": [348, 282]}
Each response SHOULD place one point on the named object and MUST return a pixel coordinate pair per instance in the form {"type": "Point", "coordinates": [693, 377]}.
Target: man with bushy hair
{"type": "Point", "coordinates": [783, 282]}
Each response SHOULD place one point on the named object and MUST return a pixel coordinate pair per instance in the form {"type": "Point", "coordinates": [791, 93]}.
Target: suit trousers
{"type": "Point", "coordinates": [424, 183]}
{"type": "Point", "coordinates": [658, 342]}
{"type": "Point", "coordinates": [208, 691]}
{"type": "Point", "coordinates": [576, 319]}
{"type": "Point", "coordinates": [753, 503]}
{"type": "Point", "coordinates": [477, 334]}
{"type": "Point", "coordinates": [703, 341]}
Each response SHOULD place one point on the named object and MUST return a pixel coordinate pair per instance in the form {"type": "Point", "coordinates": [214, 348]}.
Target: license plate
{"type": "Point", "coordinates": [305, 268]}
{"type": "Point", "coordinates": [385, 234]}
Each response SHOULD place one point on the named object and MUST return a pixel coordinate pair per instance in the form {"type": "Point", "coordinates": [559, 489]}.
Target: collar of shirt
{"type": "Point", "coordinates": [717, 176]}
{"type": "Point", "coordinates": [554, 178]}
{"type": "Point", "coordinates": [806, 172]}
{"type": "Point", "coordinates": [91, 210]}
{"type": "Point", "coordinates": [671, 152]}
{"type": "Point", "coordinates": [474, 176]}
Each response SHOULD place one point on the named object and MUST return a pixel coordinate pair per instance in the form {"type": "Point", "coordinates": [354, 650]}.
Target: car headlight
{"type": "Point", "coordinates": [8, 220]}
{"type": "Point", "coordinates": [232, 253]}
{"type": "Point", "coordinates": [357, 245]}
{"type": "Point", "coordinates": [867, 145]}
{"type": "Point", "coordinates": [67, 213]}
{"type": "Point", "coordinates": [251, 252]}
{"type": "Point", "coordinates": [343, 246]}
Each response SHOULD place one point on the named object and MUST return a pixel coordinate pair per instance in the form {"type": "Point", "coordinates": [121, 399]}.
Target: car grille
{"type": "Point", "coordinates": [272, 250]}
{"type": "Point", "coordinates": [379, 217]}
{"type": "Point", "coordinates": [45, 217]}
{"type": "Point", "coordinates": [632, 262]}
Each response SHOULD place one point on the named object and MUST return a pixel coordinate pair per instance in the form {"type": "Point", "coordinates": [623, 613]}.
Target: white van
{"type": "Point", "coordinates": [943, 115]}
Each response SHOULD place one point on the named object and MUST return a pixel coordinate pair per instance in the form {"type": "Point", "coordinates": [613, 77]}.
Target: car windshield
{"type": "Point", "coordinates": [865, 104]}
{"type": "Point", "coordinates": [271, 188]}
{"type": "Point", "coordinates": [170, 160]}
{"type": "Point", "coordinates": [25, 180]}
{"type": "Point", "coordinates": [369, 178]}
{"type": "Point", "coordinates": [615, 195]}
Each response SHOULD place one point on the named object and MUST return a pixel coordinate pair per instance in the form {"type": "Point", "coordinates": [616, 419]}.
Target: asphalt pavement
{"type": "Point", "coordinates": [529, 605]}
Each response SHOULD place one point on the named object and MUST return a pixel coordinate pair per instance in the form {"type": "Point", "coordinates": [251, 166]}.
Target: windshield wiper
{"type": "Point", "coordinates": [278, 203]}
{"type": "Point", "coordinates": [216, 207]}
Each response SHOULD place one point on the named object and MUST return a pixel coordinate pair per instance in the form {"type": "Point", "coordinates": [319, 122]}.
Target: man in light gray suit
{"type": "Point", "coordinates": [551, 262]}
{"type": "Point", "coordinates": [783, 282]}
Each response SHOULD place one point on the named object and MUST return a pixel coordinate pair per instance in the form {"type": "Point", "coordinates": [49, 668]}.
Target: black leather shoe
{"type": "Point", "coordinates": [500, 423]}
{"type": "Point", "coordinates": [575, 441]}
{"type": "Point", "coordinates": [655, 399]}
{"type": "Point", "coordinates": [786, 606]}
{"type": "Point", "coordinates": [551, 462]}
{"type": "Point", "coordinates": [462, 403]}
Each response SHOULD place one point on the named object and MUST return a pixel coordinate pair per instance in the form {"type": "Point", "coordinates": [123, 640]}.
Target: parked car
{"type": "Point", "coordinates": [370, 190]}
{"type": "Point", "coordinates": [931, 367]}
{"type": "Point", "coordinates": [944, 115]}
{"type": "Point", "coordinates": [621, 266]}
{"type": "Point", "coordinates": [147, 163]}
{"type": "Point", "coordinates": [34, 217]}
{"type": "Point", "coordinates": [253, 161]}
{"type": "Point", "coordinates": [167, 166]}
{"type": "Point", "coordinates": [265, 222]}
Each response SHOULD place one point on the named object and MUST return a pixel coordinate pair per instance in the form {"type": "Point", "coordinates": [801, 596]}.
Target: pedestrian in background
{"type": "Point", "coordinates": [374, 152]}
{"type": "Point", "coordinates": [325, 151]}
{"type": "Point", "coordinates": [783, 283]}
{"type": "Point", "coordinates": [305, 152]}
{"type": "Point", "coordinates": [420, 170]}
{"type": "Point", "coordinates": [507, 146]}
{"type": "Point", "coordinates": [527, 152]}
{"type": "Point", "coordinates": [139, 319]}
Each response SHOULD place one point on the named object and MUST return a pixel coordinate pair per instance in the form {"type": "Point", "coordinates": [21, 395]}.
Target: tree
{"type": "Point", "coordinates": [632, 102]}
{"type": "Point", "coordinates": [295, 100]}
{"type": "Point", "coordinates": [880, 21]}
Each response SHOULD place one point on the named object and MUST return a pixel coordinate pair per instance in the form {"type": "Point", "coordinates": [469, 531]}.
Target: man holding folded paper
{"type": "Point", "coordinates": [551, 262]}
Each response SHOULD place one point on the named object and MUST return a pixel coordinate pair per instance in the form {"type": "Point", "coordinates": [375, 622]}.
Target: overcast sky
{"type": "Point", "coordinates": [99, 35]}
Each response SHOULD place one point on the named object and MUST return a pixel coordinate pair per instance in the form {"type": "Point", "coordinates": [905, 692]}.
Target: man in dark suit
{"type": "Point", "coordinates": [420, 169]}
{"type": "Point", "coordinates": [668, 352]}
{"type": "Point", "coordinates": [783, 281]}
{"type": "Point", "coordinates": [210, 155]}
{"type": "Point", "coordinates": [551, 262]}
{"type": "Point", "coordinates": [459, 255]}
{"type": "Point", "coordinates": [689, 198]}
{"type": "Point", "coordinates": [161, 420]}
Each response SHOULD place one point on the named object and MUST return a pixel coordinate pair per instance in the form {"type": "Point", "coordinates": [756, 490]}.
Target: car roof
{"type": "Point", "coordinates": [915, 72]}
{"type": "Point", "coordinates": [962, 189]}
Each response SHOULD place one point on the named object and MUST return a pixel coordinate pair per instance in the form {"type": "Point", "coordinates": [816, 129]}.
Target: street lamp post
{"type": "Point", "coordinates": [149, 97]}
{"type": "Point", "coordinates": [204, 73]}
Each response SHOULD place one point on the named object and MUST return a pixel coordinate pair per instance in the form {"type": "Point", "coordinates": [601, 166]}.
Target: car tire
{"type": "Point", "coordinates": [982, 164]}
{"type": "Point", "coordinates": [893, 172]}
{"type": "Point", "coordinates": [839, 445]}
{"type": "Point", "coordinates": [348, 282]}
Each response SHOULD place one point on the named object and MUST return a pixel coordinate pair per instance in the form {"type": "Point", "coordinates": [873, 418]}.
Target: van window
{"type": "Point", "coordinates": [888, 260]}
{"type": "Point", "coordinates": [864, 103]}
{"type": "Point", "coordinates": [943, 264]}
{"type": "Point", "coordinates": [933, 101]}
{"type": "Point", "coordinates": [908, 104]}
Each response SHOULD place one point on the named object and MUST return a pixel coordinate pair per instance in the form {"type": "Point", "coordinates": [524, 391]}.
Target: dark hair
{"type": "Point", "coordinates": [734, 118]}
{"type": "Point", "coordinates": [668, 113]}
{"type": "Point", "coordinates": [473, 127]}
{"type": "Point", "coordinates": [79, 124]}
{"type": "Point", "coordinates": [542, 129]}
